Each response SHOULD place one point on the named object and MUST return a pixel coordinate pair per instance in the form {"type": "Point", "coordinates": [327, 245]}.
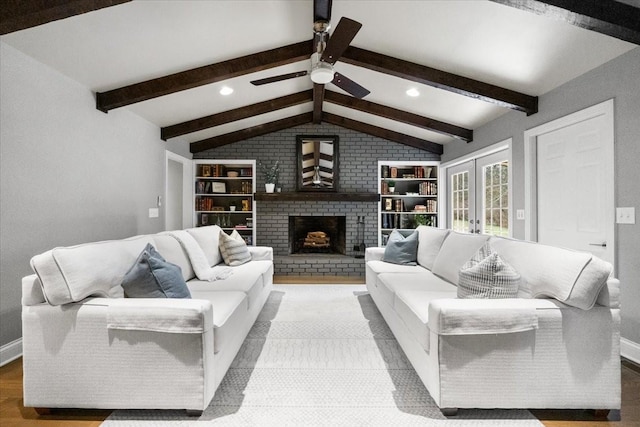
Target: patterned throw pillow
{"type": "Point", "coordinates": [486, 275]}
{"type": "Point", "coordinates": [234, 249]}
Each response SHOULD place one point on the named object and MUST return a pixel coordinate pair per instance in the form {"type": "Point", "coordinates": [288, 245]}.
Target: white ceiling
{"type": "Point", "coordinates": [496, 44]}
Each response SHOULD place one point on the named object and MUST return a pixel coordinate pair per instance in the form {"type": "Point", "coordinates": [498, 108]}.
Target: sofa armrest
{"type": "Point", "coordinates": [261, 253]}
{"type": "Point", "coordinates": [609, 296]}
{"type": "Point", "coordinates": [32, 291]}
{"type": "Point", "coordinates": [169, 315]}
{"type": "Point", "coordinates": [373, 254]}
{"type": "Point", "coordinates": [452, 316]}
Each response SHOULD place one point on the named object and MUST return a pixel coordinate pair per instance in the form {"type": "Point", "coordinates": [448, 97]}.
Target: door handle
{"type": "Point", "coordinates": [604, 245]}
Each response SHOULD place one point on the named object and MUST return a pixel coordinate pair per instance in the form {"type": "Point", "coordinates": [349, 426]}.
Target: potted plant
{"type": "Point", "coordinates": [270, 175]}
{"type": "Point", "coordinates": [392, 185]}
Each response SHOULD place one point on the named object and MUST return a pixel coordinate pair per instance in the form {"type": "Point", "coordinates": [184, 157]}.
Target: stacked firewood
{"type": "Point", "coordinates": [316, 239]}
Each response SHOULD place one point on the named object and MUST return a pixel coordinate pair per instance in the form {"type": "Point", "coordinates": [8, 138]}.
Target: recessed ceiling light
{"type": "Point", "coordinates": [226, 90]}
{"type": "Point", "coordinates": [413, 92]}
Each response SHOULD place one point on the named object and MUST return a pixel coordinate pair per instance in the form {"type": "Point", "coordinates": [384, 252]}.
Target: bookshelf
{"type": "Point", "coordinates": [223, 195]}
{"type": "Point", "coordinates": [408, 196]}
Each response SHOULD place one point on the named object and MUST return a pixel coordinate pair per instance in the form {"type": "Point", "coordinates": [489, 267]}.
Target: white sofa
{"type": "Point", "coordinates": [556, 345]}
{"type": "Point", "coordinates": [86, 346]}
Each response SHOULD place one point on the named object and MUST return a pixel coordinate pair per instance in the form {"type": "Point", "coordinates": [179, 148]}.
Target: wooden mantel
{"type": "Point", "coordinates": [318, 196]}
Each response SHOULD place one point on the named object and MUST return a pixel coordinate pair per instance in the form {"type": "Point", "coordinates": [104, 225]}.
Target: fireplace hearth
{"type": "Point", "coordinates": [317, 234]}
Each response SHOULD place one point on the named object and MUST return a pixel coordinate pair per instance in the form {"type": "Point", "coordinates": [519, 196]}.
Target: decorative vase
{"type": "Point", "coordinates": [392, 189]}
{"type": "Point", "coordinates": [269, 187]}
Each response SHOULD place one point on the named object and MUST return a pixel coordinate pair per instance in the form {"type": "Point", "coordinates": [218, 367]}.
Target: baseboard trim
{"type": "Point", "coordinates": [10, 352]}
{"type": "Point", "coordinates": [630, 350]}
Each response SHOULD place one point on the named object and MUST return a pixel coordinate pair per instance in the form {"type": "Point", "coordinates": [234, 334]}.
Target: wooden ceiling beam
{"type": "Point", "coordinates": [236, 114]}
{"type": "Point", "coordinates": [263, 129]}
{"type": "Point", "coordinates": [441, 79]}
{"type": "Point", "coordinates": [16, 15]}
{"type": "Point", "coordinates": [401, 138]}
{"type": "Point", "coordinates": [318, 99]}
{"type": "Point", "coordinates": [612, 18]}
{"type": "Point", "coordinates": [207, 74]}
{"type": "Point", "coordinates": [399, 115]}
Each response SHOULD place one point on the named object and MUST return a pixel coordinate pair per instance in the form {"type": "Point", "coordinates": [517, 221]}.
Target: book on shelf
{"type": "Point", "coordinates": [428, 188]}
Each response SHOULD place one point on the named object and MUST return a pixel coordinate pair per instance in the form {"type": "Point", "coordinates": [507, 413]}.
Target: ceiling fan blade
{"type": "Point", "coordinates": [349, 86]}
{"type": "Point", "coordinates": [279, 78]}
{"type": "Point", "coordinates": [322, 10]}
{"type": "Point", "coordinates": [339, 41]}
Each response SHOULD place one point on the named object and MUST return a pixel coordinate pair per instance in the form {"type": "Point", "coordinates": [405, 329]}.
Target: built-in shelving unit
{"type": "Point", "coordinates": [223, 195]}
{"type": "Point", "coordinates": [408, 196]}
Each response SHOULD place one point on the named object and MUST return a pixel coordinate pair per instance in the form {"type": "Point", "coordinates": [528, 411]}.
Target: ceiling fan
{"type": "Point", "coordinates": [327, 51]}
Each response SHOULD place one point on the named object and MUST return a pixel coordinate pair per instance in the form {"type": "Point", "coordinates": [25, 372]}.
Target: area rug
{"type": "Point", "coordinates": [321, 355]}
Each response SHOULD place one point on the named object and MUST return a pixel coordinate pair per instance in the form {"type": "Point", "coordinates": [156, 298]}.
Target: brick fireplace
{"type": "Point", "coordinates": [273, 230]}
{"type": "Point", "coordinates": [317, 234]}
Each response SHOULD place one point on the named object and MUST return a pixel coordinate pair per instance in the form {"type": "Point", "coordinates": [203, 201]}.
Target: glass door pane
{"type": "Point", "coordinates": [461, 201]}
{"type": "Point", "coordinates": [496, 199]}
{"type": "Point", "coordinates": [479, 196]}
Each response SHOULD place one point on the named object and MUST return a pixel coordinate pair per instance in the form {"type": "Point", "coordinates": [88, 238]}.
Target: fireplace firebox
{"type": "Point", "coordinates": [317, 234]}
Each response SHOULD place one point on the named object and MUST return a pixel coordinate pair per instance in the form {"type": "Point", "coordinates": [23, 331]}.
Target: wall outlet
{"type": "Point", "coordinates": [626, 215]}
{"type": "Point", "coordinates": [520, 214]}
{"type": "Point", "coordinates": [154, 212]}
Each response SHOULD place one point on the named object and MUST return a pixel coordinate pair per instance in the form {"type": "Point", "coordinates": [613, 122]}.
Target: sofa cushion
{"type": "Point", "coordinates": [151, 276]}
{"type": "Point", "coordinates": [233, 248]}
{"type": "Point", "coordinates": [380, 267]}
{"type": "Point", "coordinates": [429, 242]}
{"type": "Point", "coordinates": [400, 249]}
{"type": "Point", "coordinates": [456, 250]}
{"type": "Point", "coordinates": [412, 306]}
{"type": "Point", "coordinates": [198, 259]}
{"type": "Point", "coordinates": [171, 250]}
{"type": "Point", "coordinates": [390, 283]}
{"type": "Point", "coordinates": [572, 277]}
{"type": "Point", "coordinates": [229, 315]}
{"type": "Point", "coordinates": [70, 274]}
{"type": "Point", "coordinates": [207, 238]}
{"type": "Point", "coordinates": [486, 275]}
{"type": "Point", "coordinates": [247, 278]}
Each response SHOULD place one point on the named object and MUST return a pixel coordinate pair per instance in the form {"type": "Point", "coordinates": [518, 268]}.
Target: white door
{"type": "Point", "coordinates": [178, 192]}
{"type": "Point", "coordinates": [574, 173]}
{"type": "Point", "coordinates": [478, 195]}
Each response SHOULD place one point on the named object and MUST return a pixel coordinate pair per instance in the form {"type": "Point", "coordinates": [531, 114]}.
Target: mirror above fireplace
{"type": "Point", "coordinates": [317, 162]}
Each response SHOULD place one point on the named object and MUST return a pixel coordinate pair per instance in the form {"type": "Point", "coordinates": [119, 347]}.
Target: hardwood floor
{"type": "Point", "coordinates": [13, 412]}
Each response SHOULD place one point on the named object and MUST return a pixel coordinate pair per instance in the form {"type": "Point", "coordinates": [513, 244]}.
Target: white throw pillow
{"type": "Point", "coordinates": [486, 275]}
{"type": "Point", "coordinates": [233, 249]}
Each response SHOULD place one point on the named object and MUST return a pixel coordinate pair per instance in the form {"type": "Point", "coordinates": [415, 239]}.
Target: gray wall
{"type": "Point", "coordinates": [618, 79]}
{"type": "Point", "coordinates": [69, 173]}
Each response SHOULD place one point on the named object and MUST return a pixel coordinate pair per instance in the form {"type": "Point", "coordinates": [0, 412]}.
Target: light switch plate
{"type": "Point", "coordinates": [520, 213]}
{"type": "Point", "coordinates": [626, 215]}
{"type": "Point", "coordinates": [154, 212]}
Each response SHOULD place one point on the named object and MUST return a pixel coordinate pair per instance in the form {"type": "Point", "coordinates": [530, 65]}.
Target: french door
{"type": "Point", "coordinates": [478, 195]}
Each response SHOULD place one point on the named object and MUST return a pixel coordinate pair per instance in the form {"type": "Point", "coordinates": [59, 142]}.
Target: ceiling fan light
{"type": "Point", "coordinates": [322, 74]}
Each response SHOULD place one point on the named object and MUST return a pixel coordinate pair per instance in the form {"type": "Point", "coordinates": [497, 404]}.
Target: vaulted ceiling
{"type": "Point", "coordinates": [469, 61]}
